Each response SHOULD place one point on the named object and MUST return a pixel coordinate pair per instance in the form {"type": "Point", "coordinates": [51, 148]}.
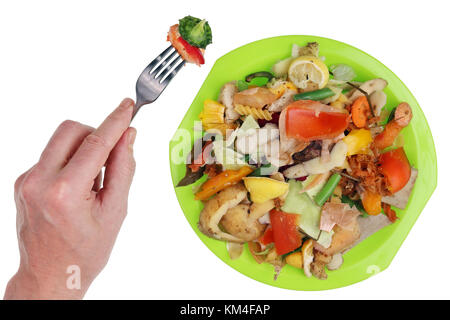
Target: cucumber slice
{"type": "Point", "coordinates": [301, 203]}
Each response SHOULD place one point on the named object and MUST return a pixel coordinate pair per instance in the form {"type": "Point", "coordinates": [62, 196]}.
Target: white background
{"type": "Point", "coordinates": [76, 60]}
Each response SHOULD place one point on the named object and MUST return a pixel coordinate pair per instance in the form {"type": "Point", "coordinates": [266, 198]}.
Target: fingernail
{"type": "Point", "coordinates": [127, 103]}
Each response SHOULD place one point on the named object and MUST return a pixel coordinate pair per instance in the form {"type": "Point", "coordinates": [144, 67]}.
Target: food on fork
{"type": "Point", "coordinates": [302, 164]}
{"type": "Point", "coordinates": [190, 38]}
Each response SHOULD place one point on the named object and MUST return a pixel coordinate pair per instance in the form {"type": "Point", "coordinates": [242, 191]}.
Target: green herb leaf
{"type": "Point", "coordinates": [355, 203]}
{"type": "Point", "coordinates": [241, 85]}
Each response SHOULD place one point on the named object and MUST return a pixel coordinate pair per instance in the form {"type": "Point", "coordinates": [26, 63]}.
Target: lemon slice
{"type": "Point", "coordinates": [308, 72]}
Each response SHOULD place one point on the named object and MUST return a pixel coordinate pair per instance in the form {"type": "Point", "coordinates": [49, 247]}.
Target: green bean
{"type": "Point", "coordinates": [327, 189]}
{"type": "Point", "coordinates": [315, 95]}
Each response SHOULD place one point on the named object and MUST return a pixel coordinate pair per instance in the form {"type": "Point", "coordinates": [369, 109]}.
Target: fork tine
{"type": "Point", "coordinates": [148, 87]}
{"type": "Point", "coordinates": [173, 73]}
{"type": "Point", "coordinates": [163, 63]}
{"type": "Point", "coordinates": [167, 70]}
{"type": "Point", "coordinates": [158, 59]}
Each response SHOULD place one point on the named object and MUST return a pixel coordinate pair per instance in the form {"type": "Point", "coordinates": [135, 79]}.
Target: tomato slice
{"type": "Point", "coordinates": [203, 157]}
{"type": "Point", "coordinates": [394, 165]}
{"type": "Point", "coordinates": [187, 52]}
{"type": "Point", "coordinates": [285, 231]}
{"type": "Point", "coordinates": [308, 124]}
{"type": "Point", "coordinates": [267, 237]}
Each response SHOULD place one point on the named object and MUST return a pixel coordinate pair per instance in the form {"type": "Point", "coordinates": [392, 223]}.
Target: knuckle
{"type": "Point", "coordinates": [18, 182]}
{"type": "Point", "coordinates": [74, 126]}
{"type": "Point", "coordinates": [69, 124]}
{"type": "Point", "coordinates": [29, 186]}
{"type": "Point", "coordinates": [95, 141]}
{"type": "Point", "coordinates": [58, 195]}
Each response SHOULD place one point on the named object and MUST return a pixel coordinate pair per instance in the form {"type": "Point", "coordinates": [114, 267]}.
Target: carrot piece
{"type": "Point", "coordinates": [360, 112]}
{"type": "Point", "coordinates": [371, 202]}
{"type": "Point", "coordinates": [403, 114]}
{"type": "Point", "coordinates": [387, 137]}
{"type": "Point", "coordinates": [402, 117]}
{"type": "Point", "coordinates": [221, 181]}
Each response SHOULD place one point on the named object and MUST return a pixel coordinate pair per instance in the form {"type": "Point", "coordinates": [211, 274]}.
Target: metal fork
{"type": "Point", "coordinates": [155, 78]}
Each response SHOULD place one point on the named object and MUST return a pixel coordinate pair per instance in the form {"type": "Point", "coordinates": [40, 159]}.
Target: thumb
{"type": "Point", "coordinates": [119, 174]}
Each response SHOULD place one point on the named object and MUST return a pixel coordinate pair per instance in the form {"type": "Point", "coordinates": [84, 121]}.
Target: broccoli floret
{"type": "Point", "coordinates": [195, 31]}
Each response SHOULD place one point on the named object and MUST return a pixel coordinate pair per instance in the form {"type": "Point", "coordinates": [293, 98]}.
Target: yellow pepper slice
{"type": "Point", "coordinates": [213, 117]}
{"type": "Point", "coordinates": [358, 141]}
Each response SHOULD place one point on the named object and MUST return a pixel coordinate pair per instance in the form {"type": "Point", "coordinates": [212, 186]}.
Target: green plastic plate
{"type": "Point", "coordinates": [376, 252]}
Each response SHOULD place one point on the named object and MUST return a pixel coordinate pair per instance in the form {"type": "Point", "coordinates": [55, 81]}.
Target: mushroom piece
{"type": "Point", "coordinates": [283, 101]}
{"type": "Point", "coordinates": [295, 171]}
{"type": "Point", "coordinates": [308, 256]}
{"type": "Point", "coordinates": [318, 270]}
{"type": "Point", "coordinates": [226, 98]}
{"type": "Point", "coordinates": [217, 207]}
{"type": "Point", "coordinates": [313, 150]}
{"type": "Point", "coordinates": [319, 263]}
{"type": "Point", "coordinates": [316, 166]}
{"type": "Point", "coordinates": [242, 221]}
{"type": "Point", "coordinates": [336, 262]}
{"type": "Point", "coordinates": [249, 144]}
{"type": "Point", "coordinates": [321, 257]}
{"type": "Point", "coordinates": [369, 87]}
{"type": "Point", "coordinates": [311, 49]}
{"type": "Point", "coordinates": [258, 97]}
{"type": "Point", "coordinates": [378, 100]}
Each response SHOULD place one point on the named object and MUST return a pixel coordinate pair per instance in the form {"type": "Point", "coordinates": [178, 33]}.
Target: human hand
{"type": "Point", "coordinates": [67, 221]}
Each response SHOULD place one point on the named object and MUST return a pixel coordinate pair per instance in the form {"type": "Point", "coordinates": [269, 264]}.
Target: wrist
{"type": "Point", "coordinates": [26, 285]}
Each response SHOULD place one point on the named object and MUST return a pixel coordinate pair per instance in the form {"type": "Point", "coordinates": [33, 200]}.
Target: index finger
{"type": "Point", "coordinates": [91, 156]}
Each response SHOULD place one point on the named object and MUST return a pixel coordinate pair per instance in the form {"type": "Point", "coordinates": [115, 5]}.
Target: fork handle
{"type": "Point", "coordinates": [136, 108]}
